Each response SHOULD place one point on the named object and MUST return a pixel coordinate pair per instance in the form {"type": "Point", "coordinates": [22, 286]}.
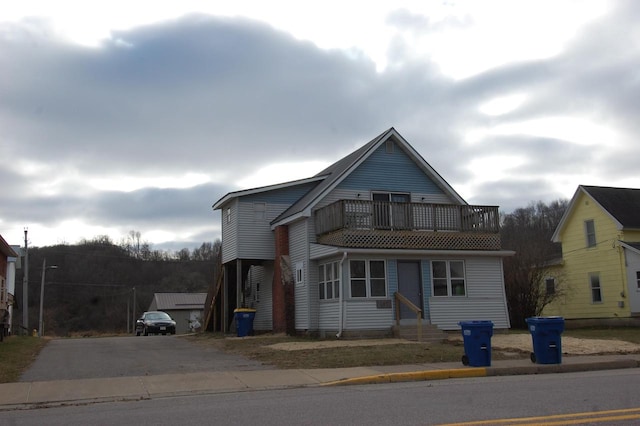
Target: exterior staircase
{"type": "Point", "coordinates": [409, 331]}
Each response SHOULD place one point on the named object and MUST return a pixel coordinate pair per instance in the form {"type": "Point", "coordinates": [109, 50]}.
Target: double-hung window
{"type": "Point", "coordinates": [329, 281]}
{"type": "Point", "coordinates": [368, 278]}
{"type": "Point", "coordinates": [596, 290]}
{"type": "Point", "coordinates": [590, 232]}
{"type": "Point", "coordinates": [448, 278]}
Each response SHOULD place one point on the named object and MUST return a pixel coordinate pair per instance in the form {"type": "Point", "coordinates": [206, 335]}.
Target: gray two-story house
{"type": "Point", "coordinates": [375, 239]}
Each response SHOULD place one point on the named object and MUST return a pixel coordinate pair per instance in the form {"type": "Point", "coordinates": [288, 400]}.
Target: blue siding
{"type": "Point", "coordinates": [392, 276]}
{"type": "Point", "coordinates": [395, 171]}
{"type": "Point", "coordinates": [280, 196]}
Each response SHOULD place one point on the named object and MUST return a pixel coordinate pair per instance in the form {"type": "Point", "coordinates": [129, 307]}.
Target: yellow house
{"type": "Point", "coordinates": [600, 268]}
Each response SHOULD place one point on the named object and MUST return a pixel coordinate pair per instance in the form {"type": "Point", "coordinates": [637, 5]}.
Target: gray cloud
{"type": "Point", "coordinates": [224, 97]}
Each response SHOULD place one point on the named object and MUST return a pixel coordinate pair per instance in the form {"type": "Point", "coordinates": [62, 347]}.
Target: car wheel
{"type": "Point", "coordinates": [146, 332]}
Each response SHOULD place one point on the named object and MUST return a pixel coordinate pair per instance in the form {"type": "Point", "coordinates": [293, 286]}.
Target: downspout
{"type": "Point", "coordinates": [340, 320]}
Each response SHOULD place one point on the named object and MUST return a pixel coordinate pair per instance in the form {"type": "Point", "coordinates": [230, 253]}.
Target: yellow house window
{"type": "Point", "coordinates": [590, 231]}
{"type": "Point", "coordinates": [596, 290]}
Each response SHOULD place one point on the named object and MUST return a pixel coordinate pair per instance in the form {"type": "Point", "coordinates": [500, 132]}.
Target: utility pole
{"type": "Point", "coordinates": [25, 286]}
{"type": "Point", "coordinates": [133, 310]}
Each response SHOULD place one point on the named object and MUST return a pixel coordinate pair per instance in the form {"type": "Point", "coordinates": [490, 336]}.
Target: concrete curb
{"type": "Point", "coordinates": [563, 368]}
{"type": "Point", "coordinates": [411, 376]}
{"type": "Point", "coordinates": [485, 372]}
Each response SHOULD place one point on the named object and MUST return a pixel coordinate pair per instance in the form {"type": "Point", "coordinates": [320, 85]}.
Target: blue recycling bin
{"type": "Point", "coordinates": [244, 321]}
{"type": "Point", "coordinates": [547, 341]}
{"type": "Point", "coordinates": [477, 342]}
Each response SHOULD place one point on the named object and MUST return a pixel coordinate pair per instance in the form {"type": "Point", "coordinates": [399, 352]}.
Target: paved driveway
{"type": "Point", "coordinates": [68, 359]}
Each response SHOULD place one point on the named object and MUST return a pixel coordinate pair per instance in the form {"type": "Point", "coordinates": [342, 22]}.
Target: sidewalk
{"type": "Point", "coordinates": [51, 393]}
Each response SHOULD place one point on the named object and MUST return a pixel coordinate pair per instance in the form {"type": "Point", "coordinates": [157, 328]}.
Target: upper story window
{"type": "Point", "coordinates": [448, 278]}
{"type": "Point", "coordinates": [300, 274]}
{"type": "Point", "coordinates": [638, 280]}
{"type": "Point", "coordinates": [228, 215]}
{"type": "Point", "coordinates": [368, 278]}
{"type": "Point", "coordinates": [590, 232]}
{"type": "Point", "coordinates": [259, 211]}
{"type": "Point", "coordinates": [596, 290]}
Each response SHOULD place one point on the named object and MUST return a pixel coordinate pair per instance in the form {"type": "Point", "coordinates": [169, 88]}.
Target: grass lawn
{"type": "Point", "coordinates": [627, 334]}
{"type": "Point", "coordinates": [16, 354]}
{"type": "Point", "coordinates": [257, 348]}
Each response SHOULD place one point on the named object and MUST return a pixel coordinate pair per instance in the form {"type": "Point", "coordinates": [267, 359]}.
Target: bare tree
{"type": "Point", "coordinates": [528, 231]}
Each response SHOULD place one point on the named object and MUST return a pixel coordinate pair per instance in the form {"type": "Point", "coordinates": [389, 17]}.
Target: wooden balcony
{"type": "Point", "coordinates": [375, 224]}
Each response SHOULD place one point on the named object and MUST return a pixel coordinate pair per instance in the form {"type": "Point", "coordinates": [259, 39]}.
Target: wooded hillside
{"type": "Point", "coordinates": [92, 289]}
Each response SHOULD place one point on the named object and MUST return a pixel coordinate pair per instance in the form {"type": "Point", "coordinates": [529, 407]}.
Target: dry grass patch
{"type": "Point", "coordinates": [265, 350]}
{"type": "Point", "coordinates": [17, 353]}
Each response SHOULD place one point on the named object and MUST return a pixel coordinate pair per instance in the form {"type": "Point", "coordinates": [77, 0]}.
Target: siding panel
{"type": "Point", "coordinates": [298, 252]}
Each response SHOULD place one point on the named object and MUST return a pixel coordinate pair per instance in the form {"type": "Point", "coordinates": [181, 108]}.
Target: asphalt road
{"type": "Point", "coordinates": [69, 359]}
{"type": "Point", "coordinates": [596, 397]}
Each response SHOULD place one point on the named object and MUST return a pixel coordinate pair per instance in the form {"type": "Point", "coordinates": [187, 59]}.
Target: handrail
{"type": "Point", "coordinates": [402, 299]}
{"type": "Point", "coordinates": [375, 215]}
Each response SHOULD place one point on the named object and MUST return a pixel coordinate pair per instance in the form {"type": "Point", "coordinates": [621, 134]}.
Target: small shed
{"type": "Point", "coordinates": [185, 308]}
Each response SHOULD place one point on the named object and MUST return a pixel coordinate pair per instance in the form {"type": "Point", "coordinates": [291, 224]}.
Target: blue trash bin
{"type": "Point", "coordinates": [477, 342]}
{"type": "Point", "coordinates": [547, 341]}
{"type": "Point", "coordinates": [244, 321]}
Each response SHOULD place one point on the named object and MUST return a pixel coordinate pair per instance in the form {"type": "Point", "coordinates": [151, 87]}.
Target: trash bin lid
{"type": "Point", "coordinates": [244, 310]}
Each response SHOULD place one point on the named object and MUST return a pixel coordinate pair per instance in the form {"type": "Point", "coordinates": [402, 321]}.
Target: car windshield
{"type": "Point", "coordinates": [157, 316]}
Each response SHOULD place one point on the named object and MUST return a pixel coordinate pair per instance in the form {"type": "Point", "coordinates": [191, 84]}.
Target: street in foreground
{"type": "Point", "coordinates": [608, 395]}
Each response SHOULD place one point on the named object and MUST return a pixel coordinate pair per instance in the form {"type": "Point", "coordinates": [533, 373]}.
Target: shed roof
{"type": "Point", "coordinates": [176, 301]}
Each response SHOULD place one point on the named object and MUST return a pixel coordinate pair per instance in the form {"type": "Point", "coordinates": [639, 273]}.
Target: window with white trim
{"type": "Point", "coordinates": [448, 278]}
{"type": "Point", "coordinates": [596, 290]}
{"type": "Point", "coordinates": [329, 281]}
{"type": "Point", "coordinates": [228, 215]}
{"type": "Point", "coordinates": [638, 280]}
{"type": "Point", "coordinates": [368, 278]}
{"type": "Point", "coordinates": [300, 274]}
{"type": "Point", "coordinates": [590, 232]}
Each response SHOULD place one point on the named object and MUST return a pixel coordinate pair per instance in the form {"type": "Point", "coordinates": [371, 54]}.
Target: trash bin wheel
{"type": "Point", "coordinates": [533, 357]}
{"type": "Point", "coordinates": [465, 360]}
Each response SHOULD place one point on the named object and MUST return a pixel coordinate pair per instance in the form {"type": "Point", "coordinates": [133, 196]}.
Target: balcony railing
{"type": "Point", "coordinates": [361, 215]}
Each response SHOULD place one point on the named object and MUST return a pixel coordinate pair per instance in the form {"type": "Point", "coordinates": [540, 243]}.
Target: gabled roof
{"type": "Point", "coordinates": [621, 204]}
{"type": "Point", "coordinates": [176, 301]}
{"type": "Point", "coordinates": [338, 171]}
{"type": "Point", "coordinates": [330, 177]}
{"type": "Point", "coordinates": [218, 204]}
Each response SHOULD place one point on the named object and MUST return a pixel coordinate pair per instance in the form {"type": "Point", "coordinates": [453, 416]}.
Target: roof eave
{"type": "Point", "coordinates": [244, 192]}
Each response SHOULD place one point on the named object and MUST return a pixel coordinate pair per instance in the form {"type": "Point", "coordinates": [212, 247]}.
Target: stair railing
{"type": "Point", "coordinates": [400, 299]}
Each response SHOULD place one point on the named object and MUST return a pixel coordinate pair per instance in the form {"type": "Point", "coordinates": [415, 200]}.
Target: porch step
{"type": "Point", "coordinates": [430, 332]}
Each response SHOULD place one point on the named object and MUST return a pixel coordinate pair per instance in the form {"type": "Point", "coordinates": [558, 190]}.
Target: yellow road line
{"type": "Point", "coordinates": [563, 419]}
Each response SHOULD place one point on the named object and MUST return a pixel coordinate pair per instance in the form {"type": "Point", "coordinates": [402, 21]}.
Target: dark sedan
{"type": "Point", "coordinates": [155, 322]}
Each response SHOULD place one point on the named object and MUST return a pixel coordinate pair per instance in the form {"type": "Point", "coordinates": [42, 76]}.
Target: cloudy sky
{"type": "Point", "coordinates": [120, 115]}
